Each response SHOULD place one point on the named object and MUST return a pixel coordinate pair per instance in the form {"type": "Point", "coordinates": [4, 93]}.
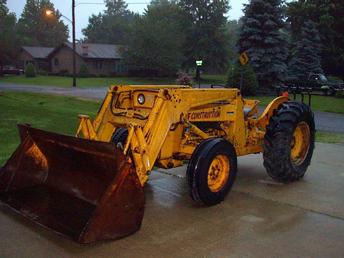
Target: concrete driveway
{"type": "Point", "coordinates": [259, 218]}
{"type": "Point", "coordinates": [324, 121]}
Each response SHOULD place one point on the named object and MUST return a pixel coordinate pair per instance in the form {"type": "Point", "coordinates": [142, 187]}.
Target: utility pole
{"type": "Point", "coordinates": [74, 47]}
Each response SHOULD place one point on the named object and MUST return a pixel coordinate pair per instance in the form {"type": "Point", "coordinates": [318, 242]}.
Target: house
{"type": "Point", "coordinates": [93, 59]}
{"type": "Point", "coordinates": [38, 56]}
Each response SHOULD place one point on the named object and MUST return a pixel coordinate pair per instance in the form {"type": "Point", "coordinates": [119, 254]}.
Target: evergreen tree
{"type": "Point", "coordinates": [155, 48]}
{"type": "Point", "coordinates": [329, 19]}
{"type": "Point", "coordinates": [37, 29]}
{"type": "Point", "coordinates": [112, 26]}
{"type": "Point", "coordinates": [3, 8]}
{"type": "Point", "coordinates": [233, 28]}
{"type": "Point", "coordinates": [263, 39]}
{"type": "Point", "coordinates": [306, 58]}
{"type": "Point", "coordinates": [8, 39]}
{"type": "Point", "coordinates": [204, 24]}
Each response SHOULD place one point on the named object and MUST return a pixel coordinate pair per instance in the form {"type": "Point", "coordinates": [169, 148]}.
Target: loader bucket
{"type": "Point", "coordinates": [82, 189]}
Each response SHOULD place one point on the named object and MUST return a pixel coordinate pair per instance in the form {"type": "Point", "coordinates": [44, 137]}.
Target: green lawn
{"type": "Point", "coordinates": [48, 112]}
{"type": "Point", "coordinates": [60, 81]}
{"type": "Point", "coordinates": [59, 114]}
{"type": "Point", "coordinates": [213, 79]}
{"type": "Point", "coordinates": [319, 103]}
{"type": "Point", "coordinates": [329, 137]}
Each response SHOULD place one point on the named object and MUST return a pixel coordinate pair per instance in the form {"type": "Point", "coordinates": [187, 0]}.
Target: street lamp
{"type": "Point", "coordinates": [199, 63]}
{"type": "Point", "coordinates": [49, 13]}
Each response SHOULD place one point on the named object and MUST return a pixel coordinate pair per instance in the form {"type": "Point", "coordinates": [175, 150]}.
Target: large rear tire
{"type": "Point", "coordinates": [289, 142]}
{"type": "Point", "coordinates": [212, 171]}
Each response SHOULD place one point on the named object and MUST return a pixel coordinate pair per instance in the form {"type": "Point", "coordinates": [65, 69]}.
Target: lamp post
{"type": "Point", "coordinates": [49, 13]}
{"type": "Point", "coordinates": [199, 63]}
{"type": "Point", "coordinates": [74, 51]}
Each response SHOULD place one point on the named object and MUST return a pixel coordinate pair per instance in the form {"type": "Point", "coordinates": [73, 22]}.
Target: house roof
{"type": "Point", "coordinates": [38, 52]}
{"type": "Point", "coordinates": [101, 51]}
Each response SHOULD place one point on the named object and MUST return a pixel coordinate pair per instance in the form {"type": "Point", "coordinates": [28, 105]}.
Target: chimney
{"type": "Point", "coordinates": [84, 50]}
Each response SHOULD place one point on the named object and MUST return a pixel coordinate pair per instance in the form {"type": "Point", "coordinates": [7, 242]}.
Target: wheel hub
{"type": "Point", "coordinates": [218, 173]}
{"type": "Point", "coordinates": [300, 143]}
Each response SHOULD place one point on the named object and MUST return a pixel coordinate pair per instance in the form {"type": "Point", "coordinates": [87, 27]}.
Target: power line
{"type": "Point", "coordinates": [95, 3]}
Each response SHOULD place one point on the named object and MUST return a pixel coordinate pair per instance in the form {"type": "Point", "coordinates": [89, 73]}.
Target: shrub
{"type": "Point", "coordinates": [30, 71]}
{"type": "Point", "coordinates": [250, 82]}
{"type": "Point", "coordinates": [184, 79]}
{"type": "Point", "coordinates": [84, 71]}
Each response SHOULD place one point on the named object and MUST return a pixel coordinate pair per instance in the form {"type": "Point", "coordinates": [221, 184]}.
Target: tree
{"type": "Point", "coordinates": [329, 19]}
{"type": "Point", "coordinates": [204, 24]}
{"type": "Point", "coordinates": [112, 26]}
{"type": "Point", "coordinates": [233, 28]}
{"type": "Point", "coordinates": [8, 39]}
{"type": "Point", "coordinates": [306, 58]}
{"type": "Point", "coordinates": [155, 48]}
{"type": "Point", "coordinates": [37, 29]}
{"type": "Point", "coordinates": [238, 74]}
{"type": "Point", "coordinates": [263, 39]}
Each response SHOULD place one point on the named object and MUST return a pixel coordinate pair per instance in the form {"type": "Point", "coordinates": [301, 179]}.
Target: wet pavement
{"type": "Point", "coordinates": [259, 218]}
{"type": "Point", "coordinates": [324, 121]}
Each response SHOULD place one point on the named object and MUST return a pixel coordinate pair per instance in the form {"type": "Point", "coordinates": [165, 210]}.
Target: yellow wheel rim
{"type": "Point", "coordinates": [218, 173]}
{"type": "Point", "coordinates": [300, 143]}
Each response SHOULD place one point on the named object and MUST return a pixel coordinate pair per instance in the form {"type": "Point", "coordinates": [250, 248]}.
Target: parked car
{"type": "Point", "coordinates": [317, 82]}
{"type": "Point", "coordinates": [12, 70]}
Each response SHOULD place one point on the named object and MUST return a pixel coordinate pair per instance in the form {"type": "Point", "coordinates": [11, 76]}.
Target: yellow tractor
{"type": "Point", "coordinates": [90, 187]}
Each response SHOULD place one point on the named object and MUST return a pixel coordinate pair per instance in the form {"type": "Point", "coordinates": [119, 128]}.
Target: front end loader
{"type": "Point", "coordinates": [90, 187]}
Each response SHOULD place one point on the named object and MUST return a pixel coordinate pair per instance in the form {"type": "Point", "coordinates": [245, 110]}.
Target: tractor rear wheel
{"type": "Point", "coordinates": [212, 171]}
{"type": "Point", "coordinates": [289, 142]}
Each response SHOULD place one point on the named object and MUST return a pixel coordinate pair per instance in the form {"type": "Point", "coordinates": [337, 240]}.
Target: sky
{"type": "Point", "coordinates": [84, 11]}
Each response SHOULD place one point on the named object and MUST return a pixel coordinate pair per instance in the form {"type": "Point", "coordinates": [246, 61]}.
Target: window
{"type": "Point", "coordinates": [56, 61]}
{"type": "Point", "coordinates": [98, 65]}
{"type": "Point", "coordinates": [120, 67]}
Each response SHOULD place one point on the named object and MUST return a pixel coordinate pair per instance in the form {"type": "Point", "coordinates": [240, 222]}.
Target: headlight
{"type": "Point", "coordinates": [141, 99]}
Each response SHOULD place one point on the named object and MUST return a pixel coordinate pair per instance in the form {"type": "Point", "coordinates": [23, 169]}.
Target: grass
{"type": "Point", "coordinates": [329, 137]}
{"type": "Point", "coordinates": [319, 103]}
{"type": "Point", "coordinates": [213, 79]}
{"type": "Point", "coordinates": [53, 113]}
{"type": "Point", "coordinates": [61, 81]}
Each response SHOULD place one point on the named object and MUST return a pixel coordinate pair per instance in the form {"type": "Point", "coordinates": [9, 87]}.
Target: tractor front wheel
{"type": "Point", "coordinates": [119, 137]}
{"type": "Point", "coordinates": [289, 142]}
{"type": "Point", "coordinates": [212, 171]}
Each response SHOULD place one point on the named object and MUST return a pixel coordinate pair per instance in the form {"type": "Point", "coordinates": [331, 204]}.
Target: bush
{"type": "Point", "coordinates": [250, 82]}
{"type": "Point", "coordinates": [184, 79]}
{"type": "Point", "coordinates": [84, 71]}
{"type": "Point", "coordinates": [30, 71]}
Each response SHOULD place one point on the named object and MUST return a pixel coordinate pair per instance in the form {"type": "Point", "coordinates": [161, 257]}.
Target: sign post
{"type": "Point", "coordinates": [243, 59]}
{"type": "Point", "coordinates": [199, 63]}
